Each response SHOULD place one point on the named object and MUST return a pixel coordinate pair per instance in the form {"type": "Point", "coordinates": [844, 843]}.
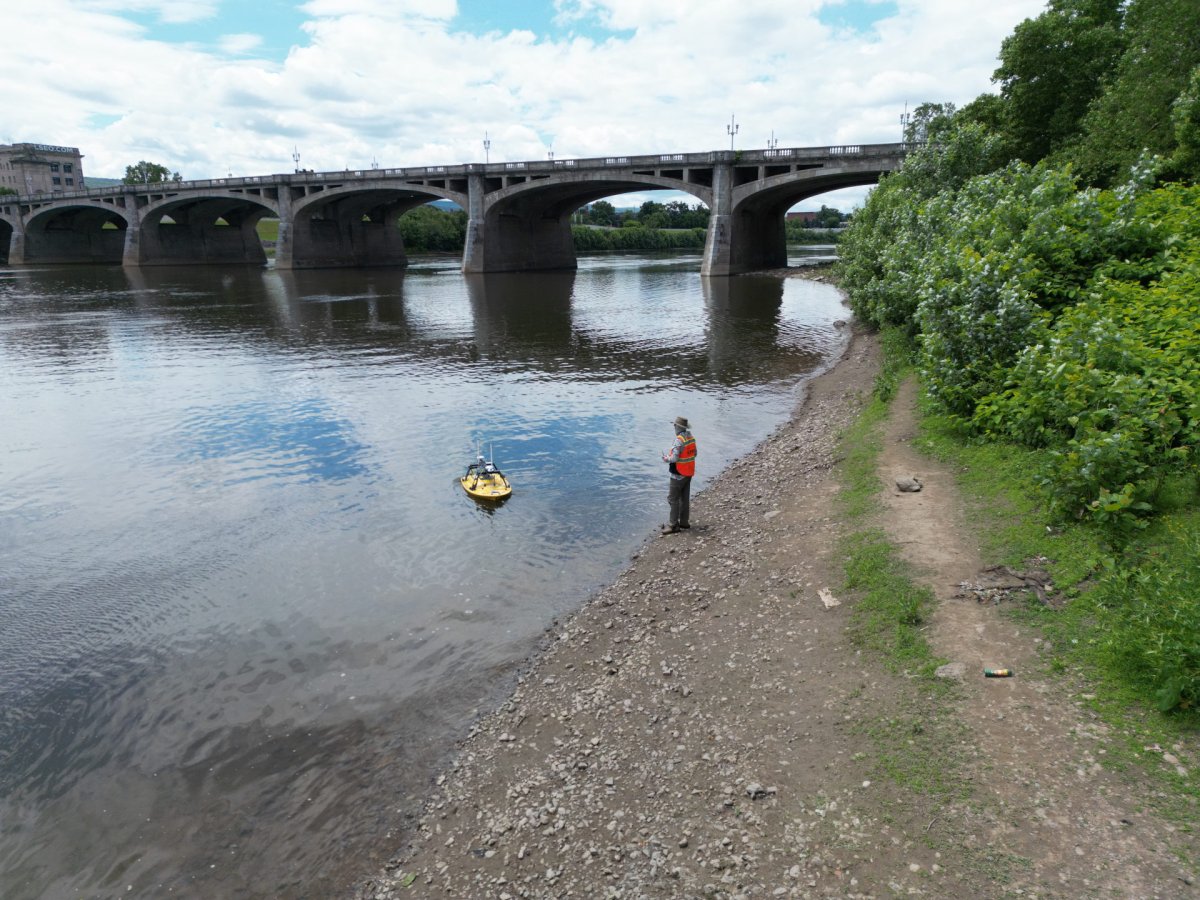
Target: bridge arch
{"type": "Point", "coordinates": [203, 228]}
{"type": "Point", "coordinates": [758, 237]}
{"type": "Point", "coordinates": [528, 225]}
{"type": "Point", "coordinates": [352, 225]}
{"type": "Point", "coordinates": [71, 231]}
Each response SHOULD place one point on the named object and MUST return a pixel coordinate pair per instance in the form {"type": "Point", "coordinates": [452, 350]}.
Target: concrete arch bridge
{"type": "Point", "coordinates": [519, 213]}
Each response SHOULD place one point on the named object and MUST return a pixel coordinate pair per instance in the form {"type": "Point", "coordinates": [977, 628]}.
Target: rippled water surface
{"type": "Point", "coordinates": [245, 607]}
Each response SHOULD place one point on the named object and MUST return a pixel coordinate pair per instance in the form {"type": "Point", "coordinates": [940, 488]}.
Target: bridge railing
{"type": "Point", "coordinates": [741, 157]}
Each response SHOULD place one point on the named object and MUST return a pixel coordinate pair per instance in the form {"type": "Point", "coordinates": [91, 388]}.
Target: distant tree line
{"type": "Point", "coordinates": [601, 227]}
{"type": "Point", "coordinates": [428, 229]}
{"type": "Point", "coordinates": [651, 214]}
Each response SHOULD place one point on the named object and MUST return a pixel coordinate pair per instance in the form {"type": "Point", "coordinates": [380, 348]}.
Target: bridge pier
{"type": "Point", "coordinates": [347, 232]}
{"type": "Point", "coordinates": [752, 237]}
{"type": "Point", "coordinates": [522, 237]}
{"type": "Point", "coordinates": [718, 242]}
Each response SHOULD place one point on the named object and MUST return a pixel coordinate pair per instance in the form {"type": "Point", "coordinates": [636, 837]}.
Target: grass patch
{"type": "Point", "coordinates": [891, 608]}
{"type": "Point", "coordinates": [268, 229]}
{"type": "Point", "coordinates": [910, 750]}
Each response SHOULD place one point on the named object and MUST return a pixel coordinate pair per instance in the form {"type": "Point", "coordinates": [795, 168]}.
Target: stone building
{"type": "Point", "coordinates": [40, 168]}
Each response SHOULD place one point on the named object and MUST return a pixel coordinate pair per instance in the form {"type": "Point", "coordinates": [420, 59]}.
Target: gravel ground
{"type": "Point", "coordinates": [704, 727]}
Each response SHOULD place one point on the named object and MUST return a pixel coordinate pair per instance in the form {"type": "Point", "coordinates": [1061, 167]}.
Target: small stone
{"type": "Point", "coordinates": [951, 670]}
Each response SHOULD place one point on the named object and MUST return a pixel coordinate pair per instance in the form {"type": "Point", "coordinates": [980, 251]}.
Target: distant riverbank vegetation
{"type": "Point", "coordinates": [600, 227]}
{"type": "Point", "coordinates": [1041, 254]}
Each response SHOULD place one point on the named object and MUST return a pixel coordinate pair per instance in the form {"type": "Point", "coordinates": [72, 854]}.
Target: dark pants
{"type": "Point", "coordinates": [680, 498]}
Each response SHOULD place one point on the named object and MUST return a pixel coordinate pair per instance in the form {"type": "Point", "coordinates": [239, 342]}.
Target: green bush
{"type": "Point", "coordinates": [1113, 389]}
{"type": "Point", "coordinates": [429, 229]}
{"type": "Point", "coordinates": [1015, 247]}
{"type": "Point", "coordinates": [635, 237]}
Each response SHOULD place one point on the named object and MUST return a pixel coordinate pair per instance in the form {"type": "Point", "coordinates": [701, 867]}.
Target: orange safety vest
{"type": "Point", "coordinates": [686, 463]}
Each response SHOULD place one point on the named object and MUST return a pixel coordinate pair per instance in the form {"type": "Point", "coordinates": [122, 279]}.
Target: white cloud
{"type": "Point", "coordinates": [397, 9]}
{"type": "Point", "coordinates": [175, 12]}
{"type": "Point", "coordinates": [240, 44]}
{"type": "Point", "coordinates": [399, 82]}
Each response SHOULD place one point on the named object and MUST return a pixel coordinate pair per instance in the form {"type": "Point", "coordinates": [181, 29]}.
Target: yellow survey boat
{"type": "Point", "coordinates": [484, 481]}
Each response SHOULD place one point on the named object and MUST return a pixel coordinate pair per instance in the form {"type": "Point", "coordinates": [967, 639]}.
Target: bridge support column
{"type": "Point", "coordinates": [284, 241]}
{"type": "Point", "coordinates": [474, 247]}
{"type": "Point", "coordinates": [718, 243]}
{"type": "Point", "coordinates": [14, 248]}
{"type": "Point", "coordinates": [751, 238]}
{"type": "Point", "coordinates": [522, 238]}
{"type": "Point", "coordinates": [345, 233]}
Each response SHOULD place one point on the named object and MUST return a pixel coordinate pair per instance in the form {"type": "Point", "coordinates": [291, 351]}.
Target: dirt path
{"type": "Point", "coordinates": [705, 728]}
{"type": "Point", "coordinates": [1076, 829]}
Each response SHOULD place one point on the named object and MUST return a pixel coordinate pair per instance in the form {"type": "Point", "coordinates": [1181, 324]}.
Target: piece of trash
{"type": "Point", "coordinates": [997, 673]}
{"type": "Point", "coordinates": [908, 485]}
{"type": "Point", "coordinates": [828, 599]}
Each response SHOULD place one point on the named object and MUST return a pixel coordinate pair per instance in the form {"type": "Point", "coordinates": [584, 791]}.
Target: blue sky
{"type": "Point", "coordinates": [208, 87]}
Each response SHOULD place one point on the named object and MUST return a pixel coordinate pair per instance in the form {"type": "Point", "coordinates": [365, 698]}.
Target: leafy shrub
{"type": "Point", "coordinates": [1114, 388]}
{"type": "Point", "coordinates": [428, 228]}
{"type": "Point", "coordinates": [875, 262]}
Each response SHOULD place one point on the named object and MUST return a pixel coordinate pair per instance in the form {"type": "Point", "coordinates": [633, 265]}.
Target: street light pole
{"type": "Point", "coordinates": [905, 118]}
{"type": "Point", "coordinates": [296, 157]}
{"type": "Point", "coordinates": [731, 129]}
{"type": "Point", "coordinates": [772, 142]}
{"type": "Point", "coordinates": [487, 147]}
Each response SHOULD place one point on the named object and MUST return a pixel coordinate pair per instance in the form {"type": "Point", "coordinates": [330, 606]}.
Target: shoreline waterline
{"type": "Point", "coordinates": [256, 589]}
{"type": "Point", "coordinates": [477, 760]}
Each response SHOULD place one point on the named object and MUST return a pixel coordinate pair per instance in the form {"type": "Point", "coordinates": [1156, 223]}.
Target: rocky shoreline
{"type": "Point", "coordinates": [705, 727]}
{"type": "Point", "coordinates": [662, 743]}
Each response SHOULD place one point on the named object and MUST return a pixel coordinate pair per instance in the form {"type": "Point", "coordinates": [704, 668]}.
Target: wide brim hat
{"type": "Point", "coordinates": [681, 422]}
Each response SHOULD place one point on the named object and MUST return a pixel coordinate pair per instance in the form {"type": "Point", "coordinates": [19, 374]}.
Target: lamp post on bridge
{"type": "Point", "coordinates": [905, 118]}
{"type": "Point", "coordinates": [772, 141]}
{"type": "Point", "coordinates": [487, 146]}
{"type": "Point", "coordinates": [731, 129]}
{"type": "Point", "coordinates": [296, 157]}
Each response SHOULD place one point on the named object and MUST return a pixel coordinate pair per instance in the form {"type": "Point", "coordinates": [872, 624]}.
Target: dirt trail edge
{"type": "Point", "coordinates": [704, 727]}
{"type": "Point", "coordinates": [1076, 829]}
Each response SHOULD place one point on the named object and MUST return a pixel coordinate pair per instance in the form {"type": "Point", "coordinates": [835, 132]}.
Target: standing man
{"type": "Point", "coordinates": [680, 458]}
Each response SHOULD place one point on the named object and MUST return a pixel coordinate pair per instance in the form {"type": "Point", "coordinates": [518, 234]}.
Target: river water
{"type": "Point", "coordinates": [245, 608]}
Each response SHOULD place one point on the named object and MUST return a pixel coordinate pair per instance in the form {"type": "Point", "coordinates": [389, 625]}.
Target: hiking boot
{"type": "Point", "coordinates": [670, 529]}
